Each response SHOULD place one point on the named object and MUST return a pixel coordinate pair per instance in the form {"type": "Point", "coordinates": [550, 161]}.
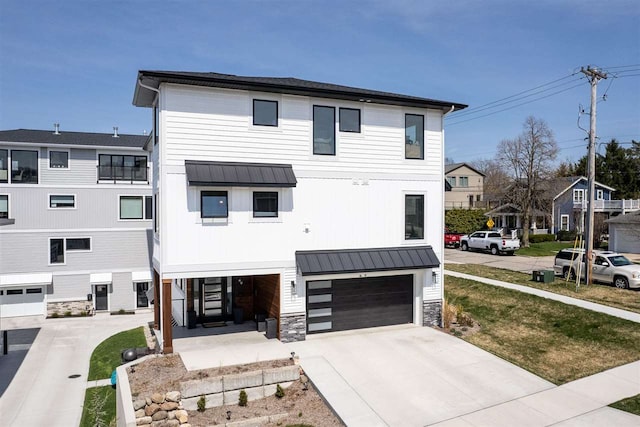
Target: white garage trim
{"type": "Point", "coordinates": [35, 279]}
{"type": "Point", "coordinates": [100, 278]}
{"type": "Point", "coordinates": [141, 276]}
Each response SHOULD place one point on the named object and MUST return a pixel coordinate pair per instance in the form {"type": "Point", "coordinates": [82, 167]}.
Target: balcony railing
{"type": "Point", "coordinates": [626, 205]}
{"type": "Point", "coordinates": [119, 174]}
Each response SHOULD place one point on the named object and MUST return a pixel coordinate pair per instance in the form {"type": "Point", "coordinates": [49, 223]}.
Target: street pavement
{"type": "Point", "coordinates": [521, 263]}
{"type": "Point", "coordinates": [42, 393]}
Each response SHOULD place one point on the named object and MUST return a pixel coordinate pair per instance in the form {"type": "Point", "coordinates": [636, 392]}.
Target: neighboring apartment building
{"type": "Point", "coordinates": [314, 204]}
{"type": "Point", "coordinates": [467, 186]}
{"type": "Point", "coordinates": [75, 222]}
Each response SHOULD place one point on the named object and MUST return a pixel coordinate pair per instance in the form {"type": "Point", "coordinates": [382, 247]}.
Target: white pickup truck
{"type": "Point", "coordinates": [489, 241]}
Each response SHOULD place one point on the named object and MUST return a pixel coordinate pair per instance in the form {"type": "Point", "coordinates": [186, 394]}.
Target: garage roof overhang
{"type": "Point", "coordinates": [239, 174]}
{"type": "Point", "coordinates": [34, 279]}
{"type": "Point", "coordinates": [312, 263]}
{"type": "Point", "coordinates": [100, 278]}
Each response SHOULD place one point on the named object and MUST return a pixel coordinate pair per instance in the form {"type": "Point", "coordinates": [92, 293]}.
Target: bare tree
{"type": "Point", "coordinates": [528, 159]}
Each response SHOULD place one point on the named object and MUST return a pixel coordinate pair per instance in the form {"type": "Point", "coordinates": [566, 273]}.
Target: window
{"type": "Point", "coordinates": [60, 201]}
{"type": "Point", "coordinates": [214, 204]}
{"type": "Point", "coordinates": [4, 165]}
{"type": "Point", "coordinates": [578, 195]}
{"type": "Point", "coordinates": [413, 136]}
{"type": "Point", "coordinates": [34, 290]}
{"type": "Point", "coordinates": [324, 130]}
{"type": "Point", "coordinates": [265, 204]}
{"type": "Point", "coordinates": [126, 168]}
{"type": "Point", "coordinates": [56, 251]}
{"type": "Point", "coordinates": [451, 180]}
{"type": "Point", "coordinates": [599, 195]}
{"type": "Point", "coordinates": [79, 244]}
{"type": "Point", "coordinates": [24, 167]}
{"type": "Point", "coordinates": [155, 213]}
{"type": "Point", "coordinates": [349, 120]}
{"type": "Point", "coordinates": [135, 207]}
{"type": "Point", "coordinates": [4, 206]}
{"type": "Point", "coordinates": [564, 222]}
{"type": "Point", "coordinates": [58, 160]}
{"type": "Point", "coordinates": [414, 217]}
{"type": "Point", "coordinates": [14, 291]}
{"type": "Point", "coordinates": [464, 181]}
{"type": "Point", "coordinates": [156, 123]}
{"type": "Point", "coordinates": [265, 113]}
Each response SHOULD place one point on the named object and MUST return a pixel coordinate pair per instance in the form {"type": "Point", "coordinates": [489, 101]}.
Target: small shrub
{"type": "Point", "coordinates": [202, 403]}
{"type": "Point", "coordinates": [121, 311]}
{"type": "Point", "coordinates": [299, 414]}
{"type": "Point", "coordinates": [565, 236]}
{"type": "Point", "coordinates": [67, 313]}
{"type": "Point", "coordinates": [457, 334]}
{"type": "Point", "coordinates": [538, 238]}
{"type": "Point", "coordinates": [459, 314]}
{"type": "Point", "coordinates": [83, 313]}
{"type": "Point", "coordinates": [55, 315]}
{"type": "Point", "coordinates": [279, 392]}
{"type": "Point", "coordinates": [242, 400]}
{"type": "Point", "coordinates": [448, 313]}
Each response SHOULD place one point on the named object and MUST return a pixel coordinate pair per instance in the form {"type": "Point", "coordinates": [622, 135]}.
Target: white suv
{"type": "Point", "coordinates": [608, 267]}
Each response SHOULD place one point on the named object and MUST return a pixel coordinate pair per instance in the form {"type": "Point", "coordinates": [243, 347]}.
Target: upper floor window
{"type": "Point", "coordinates": [578, 195]}
{"type": "Point", "coordinates": [414, 216]}
{"type": "Point", "coordinates": [599, 195]}
{"type": "Point", "coordinates": [414, 136]}
{"type": "Point", "coordinates": [119, 167]}
{"type": "Point", "coordinates": [24, 167]}
{"type": "Point", "coordinates": [214, 204]}
{"type": "Point", "coordinates": [451, 180]}
{"type": "Point", "coordinates": [349, 120]}
{"type": "Point", "coordinates": [136, 207]}
{"type": "Point", "coordinates": [4, 206]}
{"type": "Point", "coordinates": [265, 204]}
{"type": "Point", "coordinates": [156, 123]}
{"type": "Point", "coordinates": [324, 130]}
{"type": "Point", "coordinates": [58, 160]}
{"type": "Point", "coordinates": [4, 165]}
{"type": "Point", "coordinates": [62, 201]}
{"type": "Point", "coordinates": [265, 113]}
{"type": "Point", "coordinates": [464, 181]}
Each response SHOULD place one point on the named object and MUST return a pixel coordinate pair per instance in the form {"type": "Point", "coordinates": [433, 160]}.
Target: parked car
{"type": "Point", "coordinates": [451, 239]}
{"type": "Point", "coordinates": [608, 267]}
{"type": "Point", "coordinates": [489, 241]}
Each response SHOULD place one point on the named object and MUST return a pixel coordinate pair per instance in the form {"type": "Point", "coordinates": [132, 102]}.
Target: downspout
{"type": "Point", "coordinates": [441, 231]}
{"type": "Point", "coordinates": [148, 87]}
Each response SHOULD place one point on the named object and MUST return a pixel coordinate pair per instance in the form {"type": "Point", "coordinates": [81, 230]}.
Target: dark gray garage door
{"type": "Point", "coordinates": [338, 305]}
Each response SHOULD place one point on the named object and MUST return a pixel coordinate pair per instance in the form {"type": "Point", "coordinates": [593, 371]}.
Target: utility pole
{"type": "Point", "coordinates": [594, 75]}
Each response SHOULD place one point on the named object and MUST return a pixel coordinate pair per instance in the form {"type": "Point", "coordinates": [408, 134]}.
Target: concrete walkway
{"type": "Point", "coordinates": [623, 314]}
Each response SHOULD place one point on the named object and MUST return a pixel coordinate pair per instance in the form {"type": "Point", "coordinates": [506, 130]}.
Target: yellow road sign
{"type": "Point", "coordinates": [490, 223]}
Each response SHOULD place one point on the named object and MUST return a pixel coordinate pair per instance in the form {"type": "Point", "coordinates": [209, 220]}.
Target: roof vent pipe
{"type": "Point", "coordinates": [115, 132]}
{"type": "Point", "coordinates": [56, 128]}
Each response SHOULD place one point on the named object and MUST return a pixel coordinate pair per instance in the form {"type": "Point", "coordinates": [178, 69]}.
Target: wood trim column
{"type": "Point", "coordinates": [189, 294]}
{"type": "Point", "coordinates": [167, 332]}
{"type": "Point", "coordinates": [156, 300]}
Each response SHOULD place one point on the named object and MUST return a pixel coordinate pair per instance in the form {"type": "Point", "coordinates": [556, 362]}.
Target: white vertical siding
{"type": "Point", "coordinates": [290, 301]}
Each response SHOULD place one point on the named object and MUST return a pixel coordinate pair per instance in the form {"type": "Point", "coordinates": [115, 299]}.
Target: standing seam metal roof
{"type": "Point", "coordinates": [239, 174]}
{"type": "Point", "coordinates": [361, 260]}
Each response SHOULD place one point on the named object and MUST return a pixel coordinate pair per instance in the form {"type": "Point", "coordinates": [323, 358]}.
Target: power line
{"type": "Point", "coordinates": [622, 66]}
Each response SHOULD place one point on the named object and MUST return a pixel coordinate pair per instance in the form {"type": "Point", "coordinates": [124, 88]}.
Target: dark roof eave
{"type": "Point", "coordinates": [155, 78]}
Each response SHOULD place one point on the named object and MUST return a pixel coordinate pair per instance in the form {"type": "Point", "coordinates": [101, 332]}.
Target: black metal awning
{"type": "Point", "coordinates": [312, 263]}
{"type": "Point", "coordinates": [239, 174]}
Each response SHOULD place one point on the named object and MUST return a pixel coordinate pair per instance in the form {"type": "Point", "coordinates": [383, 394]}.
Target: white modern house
{"type": "Point", "coordinates": [317, 205]}
{"type": "Point", "coordinates": [75, 222]}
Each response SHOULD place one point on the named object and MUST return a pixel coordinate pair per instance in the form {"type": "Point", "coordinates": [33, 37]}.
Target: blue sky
{"type": "Point", "coordinates": [75, 62]}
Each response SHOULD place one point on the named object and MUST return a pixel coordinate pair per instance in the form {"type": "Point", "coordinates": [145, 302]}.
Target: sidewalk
{"type": "Point", "coordinates": [623, 314]}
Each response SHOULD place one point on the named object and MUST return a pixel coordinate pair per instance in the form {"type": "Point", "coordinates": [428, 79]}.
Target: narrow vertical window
{"type": "Point", "coordinates": [56, 251]}
{"type": "Point", "coordinates": [265, 113]}
{"type": "Point", "coordinates": [324, 130]}
{"type": "Point", "coordinates": [414, 136]}
{"type": "Point", "coordinates": [4, 206]}
{"type": "Point", "coordinates": [414, 217]}
{"type": "Point", "coordinates": [4, 165]}
{"type": "Point", "coordinates": [148, 207]}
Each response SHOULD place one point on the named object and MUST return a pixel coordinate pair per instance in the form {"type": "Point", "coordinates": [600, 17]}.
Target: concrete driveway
{"type": "Point", "coordinates": [524, 264]}
{"type": "Point", "coordinates": [409, 375]}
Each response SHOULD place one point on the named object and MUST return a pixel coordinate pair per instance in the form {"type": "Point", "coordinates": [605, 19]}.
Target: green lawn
{"type": "Point", "coordinates": [555, 341]}
{"type": "Point", "coordinates": [631, 404]}
{"type": "Point", "coordinates": [624, 299]}
{"type": "Point", "coordinates": [100, 403]}
{"type": "Point", "coordinates": [106, 357]}
{"type": "Point", "coordinates": [544, 248]}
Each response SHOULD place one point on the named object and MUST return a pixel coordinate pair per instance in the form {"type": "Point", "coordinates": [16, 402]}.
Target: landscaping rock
{"type": "Point", "coordinates": [171, 415]}
{"type": "Point", "coordinates": [139, 404]}
{"type": "Point", "coordinates": [148, 400]}
{"type": "Point", "coordinates": [182, 416]}
{"type": "Point", "coordinates": [157, 398]}
{"type": "Point", "coordinates": [160, 415]}
{"type": "Point", "coordinates": [143, 421]}
{"type": "Point", "coordinates": [151, 409]}
{"type": "Point", "coordinates": [173, 396]}
{"type": "Point", "coordinates": [169, 406]}
{"type": "Point", "coordinates": [140, 413]}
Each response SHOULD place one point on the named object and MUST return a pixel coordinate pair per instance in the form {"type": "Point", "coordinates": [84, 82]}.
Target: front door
{"type": "Point", "coordinates": [213, 292]}
{"type": "Point", "coordinates": [102, 302]}
{"type": "Point", "coordinates": [141, 294]}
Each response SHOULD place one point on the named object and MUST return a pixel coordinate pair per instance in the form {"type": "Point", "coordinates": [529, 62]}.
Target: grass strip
{"type": "Point", "coordinates": [99, 407]}
{"type": "Point", "coordinates": [544, 248]}
{"type": "Point", "coordinates": [555, 341]}
{"type": "Point", "coordinates": [106, 357]}
{"type": "Point", "coordinates": [630, 404]}
{"type": "Point", "coordinates": [624, 299]}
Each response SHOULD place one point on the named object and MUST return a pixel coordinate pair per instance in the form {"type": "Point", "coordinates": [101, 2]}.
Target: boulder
{"type": "Point", "coordinates": [157, 398]}
{"type": "Point", "coordinates": [139, 404]}
{"type": "Point", "coordinates": [151, 409]}
{"type": "Point", "coordinates": [140, 413]}
{"type": "Point", "coordinates": [160, 415]}
{"type": "Point", "coordinates": [182, 416]}
{"type": "Point", "coordinates": [169, 406]}
{"type": "Point", "coordinates": [148, 401]}
{"type": "Point", "coordinates": [143, 421]}
{"type": "Point", "coordinates": [172, 396]}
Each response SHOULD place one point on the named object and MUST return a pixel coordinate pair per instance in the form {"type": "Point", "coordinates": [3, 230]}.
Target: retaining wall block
{"type": "Point", "coordinates": [199, 387]}
{"type": "Point", "coordinates": [281, 375]}
{"type": "Point", "coordinates": [212, 400]}
{"type": "Point", "coordinates": [254, 393]}
{"type": "Point", "coordinates": [243, 380]}
{"type": "Point", "coordinates": [253, 422]}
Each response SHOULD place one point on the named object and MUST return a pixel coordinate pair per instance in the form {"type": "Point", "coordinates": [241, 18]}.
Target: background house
{"type": "Point", "coordinates": [314, 204]}
{"type": "Point", "coordinates": [624, 232]}
{"type": "Point", "coordinates": [76, 209]}
{"type": "Point", "coordinates": [467, 186]}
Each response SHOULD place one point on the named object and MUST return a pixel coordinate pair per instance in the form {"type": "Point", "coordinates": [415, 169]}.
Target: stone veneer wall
{"type": "Point", "coordinates": [432, 313]}
{"type": "Point", "coordinates": [293, 327]}
{"type": "Point", "coordinates": [75, 307]}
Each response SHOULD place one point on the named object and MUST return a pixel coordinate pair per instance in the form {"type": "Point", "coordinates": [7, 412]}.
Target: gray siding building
{"type": "Point", "coordinates": [75, 222]}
